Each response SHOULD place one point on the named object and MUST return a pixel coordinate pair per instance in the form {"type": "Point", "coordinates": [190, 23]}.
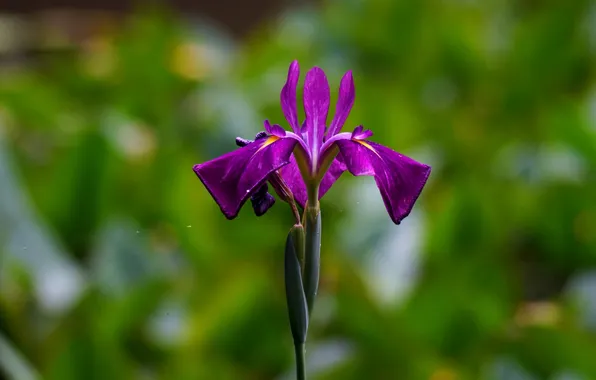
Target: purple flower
{"type": "Point", "coordinates": [312, 156]}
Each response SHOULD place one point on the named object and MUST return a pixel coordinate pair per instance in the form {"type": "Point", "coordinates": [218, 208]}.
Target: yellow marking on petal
{"type": "Point", "coordinates": [270, 140]}
{"type": "Point", "coordinates": [367, 145]}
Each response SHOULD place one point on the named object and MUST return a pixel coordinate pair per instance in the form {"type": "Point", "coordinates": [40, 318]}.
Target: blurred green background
{"type": "Point", "coordinates": [115, 263]}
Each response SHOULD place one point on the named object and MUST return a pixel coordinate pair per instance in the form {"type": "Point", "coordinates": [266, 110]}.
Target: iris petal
{"type": "Point", "coordinates": [275, 129]}
{"type": "Point", "coordinates": [293, 178]}
{"type": "Point", "coordinates": [232, 178]}
{"type": "Point", "coordinates": [333, 173]}
{"type": "Point", "coordinates": [400, 179]}
{"type": "Point", "coordinates": [261, 200]}
{"type": "Point", "coordinates": [316, 107]}
{"type": "Point", "coordinates": [288, 97]}
{"type": "Point", "coordinates": [345, 101]}
{"type": "Point", "coordinates": [360, 133]}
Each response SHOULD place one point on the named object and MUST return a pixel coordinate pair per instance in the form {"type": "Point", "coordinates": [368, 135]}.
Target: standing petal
{"type": "Point", "coordinates": [345, 101]}
{"type": "Point", "coordinates": [316, 107]}
{"type": "Point", "coordinates": [288, 97]}
{"type": "Point", "coordinates": [232, 178]}
{"type": "Point", "coordinates": [399, 178]}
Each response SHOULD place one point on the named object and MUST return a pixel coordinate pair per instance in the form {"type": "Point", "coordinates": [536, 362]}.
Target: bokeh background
{"type": "Point", "coordinates": [115, 263]}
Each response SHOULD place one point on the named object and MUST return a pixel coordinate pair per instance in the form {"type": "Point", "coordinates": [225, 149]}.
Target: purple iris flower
{"type": "Point", "coordinates": [308, 159]}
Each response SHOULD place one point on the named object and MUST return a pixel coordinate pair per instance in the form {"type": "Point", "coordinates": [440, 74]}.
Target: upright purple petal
{"type": "Point", "coordinates": [232, 178]}
{"type": "Point", "coordinates": [288, 97]}
{"type": "Point", "coordinates": [399, 178]}
{"type": "Point", "coordinates": [316, 107]}
{"type": "Point", "coordinates": [345, 101]}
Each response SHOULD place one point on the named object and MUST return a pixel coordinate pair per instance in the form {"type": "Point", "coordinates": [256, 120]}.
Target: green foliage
{"type": "Point", "coordinates": [117, 264]}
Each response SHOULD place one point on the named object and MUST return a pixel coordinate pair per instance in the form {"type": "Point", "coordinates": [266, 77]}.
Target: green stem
{"type": "Point", "coordinates": [300, 367]}
{"type": "Point", "coordinates": [312, 192]}
{"type": "Point", "coordinates": [312, 253]}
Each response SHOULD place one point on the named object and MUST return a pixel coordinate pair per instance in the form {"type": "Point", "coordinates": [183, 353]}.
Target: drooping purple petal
{"type": "Point", "coordinates": [291, 175]}
{"type": "Point", "coordinates": [345, 101]}
{"type": "Point", "coordinates": [316, 107]}
{"type": "Point", "coordinates": [232, 178]}
{"type": "Point", "coordinates": [400, 179]}
{"type": "Point", "coordinates": [335, 171]}
{"type": "Point", "coordinates": [275, 129]}
{"type": "Point", "coordinates": [288, 97]}
{"type": "Point", "coordinates": [293, 178]}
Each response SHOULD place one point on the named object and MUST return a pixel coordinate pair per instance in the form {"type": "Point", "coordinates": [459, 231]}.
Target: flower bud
{"type": "Point", "coordinates": [312, 258]}
{"type": "Point", "coordinates": [297, 307]}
